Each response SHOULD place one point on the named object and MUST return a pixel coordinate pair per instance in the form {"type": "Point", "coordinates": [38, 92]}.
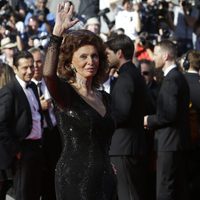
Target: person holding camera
{"type": "Point", "coordinates": [9, 29]}
{"type": "Point", "coordinates": [185, 17]}
{"type": "Point", "coordinates": [45, 17]}
{"type": "Point", "coordinates": [34, 36]}
{"type": "Point", "coordinates": [129, 19]}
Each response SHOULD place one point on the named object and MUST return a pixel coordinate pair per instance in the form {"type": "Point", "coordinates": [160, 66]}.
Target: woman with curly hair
{"type": "Point", "coordinates": [75, 66]}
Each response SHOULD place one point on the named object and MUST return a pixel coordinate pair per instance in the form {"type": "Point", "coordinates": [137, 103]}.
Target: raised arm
{"type": "Point", "coordinates": [63, 22]}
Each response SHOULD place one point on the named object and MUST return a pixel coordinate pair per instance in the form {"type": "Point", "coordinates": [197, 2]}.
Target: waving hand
{"type": "Point", "coordinates": [64, 20]}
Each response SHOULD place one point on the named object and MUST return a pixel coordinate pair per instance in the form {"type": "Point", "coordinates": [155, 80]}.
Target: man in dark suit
{"type": "Point", "coordinates": [128, 107]}
{"type": "Point", "coordinates": [21, 129]}
{"type": "Point", "coordinates": [147, 70]}
{"type": "Point", "coordinates": [192, 66]}
{"type": "Point", "coordinates": [51, 135]}
{"type": "Point", "coordinates": [172, 137]}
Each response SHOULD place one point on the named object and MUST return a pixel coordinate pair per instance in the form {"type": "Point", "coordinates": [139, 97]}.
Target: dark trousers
{"type": "Point", "coordinates": [4, 187]}
{"type": "Point", "coordinates": [171, 176]}
{"type": "Point", "coordinates": [29, 171]}
{"type": "Point", "coordinates": [131, 177]}
{"type": "Point", "coordinates": [194, 172]}
{"type": "Point", "coordinates": [6, 182]}
{"type": "Point", "coordinates": [52, 150]}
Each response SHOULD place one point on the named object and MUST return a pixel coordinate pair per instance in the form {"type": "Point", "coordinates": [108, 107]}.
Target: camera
{"type": "Point", "coordinates": [40, 40]}
{"type": "Point", "coordinates": [166, 33]}
{"type": "Point", "coordinates": [102, 13]}
{"type": "Point", "coordinates": [10, 32]}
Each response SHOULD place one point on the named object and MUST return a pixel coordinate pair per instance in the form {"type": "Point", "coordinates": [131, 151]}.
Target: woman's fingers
{"type": "Point", "coordinates": [67, 7]}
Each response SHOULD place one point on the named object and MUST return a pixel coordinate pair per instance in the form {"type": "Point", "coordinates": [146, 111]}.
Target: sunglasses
{"type": "Point", "coordinates": [145, 73]}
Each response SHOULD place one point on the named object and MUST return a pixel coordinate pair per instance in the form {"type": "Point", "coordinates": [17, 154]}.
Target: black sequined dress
{"type": "Point", "coordinates": [84, 171]}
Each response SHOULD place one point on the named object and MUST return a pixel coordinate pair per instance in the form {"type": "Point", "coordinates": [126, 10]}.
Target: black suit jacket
{"type": "Point", "coordinates": [153, 91]}
{"type": "Point", "coordinates": [171, 120]}
{"type": "Point", "coordinates": [193, 80]}
{"type": "Point", "coordinates": [128, 109]}
{"type": "Point", "coordinates": [15, 120]}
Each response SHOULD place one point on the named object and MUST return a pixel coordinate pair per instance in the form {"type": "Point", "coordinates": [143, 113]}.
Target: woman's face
{"type": "Point", "coordinates": [86, 61]}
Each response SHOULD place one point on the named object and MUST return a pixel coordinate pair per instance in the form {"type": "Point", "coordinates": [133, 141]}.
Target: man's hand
{"type": "Point", "coordinates": [145, 121]}
{"type": "Point", "coordinates": [18, 155]}
{"type": "Point", "coordinates": [45, 103]}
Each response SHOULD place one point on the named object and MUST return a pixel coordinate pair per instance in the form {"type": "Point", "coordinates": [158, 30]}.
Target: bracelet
{"type": "Point", "coordinates": [56, 39]}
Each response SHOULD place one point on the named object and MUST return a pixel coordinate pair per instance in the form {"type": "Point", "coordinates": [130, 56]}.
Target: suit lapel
{"type": "Point", "coordinates": [22, 96]}
{"type": "Point", "coordinates": [24, 101]}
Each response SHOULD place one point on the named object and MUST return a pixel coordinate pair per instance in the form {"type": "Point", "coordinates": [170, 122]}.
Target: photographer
{"type": "Point", "coordinates": [185, 17]}
{"type": "Point", "coordinates": [44, 15]}
{"type": "Point", "coordinates": [9, 35]}
{"type": "Point", "coordinates": [13, 34]}
{"type": "Point", "coordinates": [149, 17]}
{"type": "Point", "coordinates": [129, 19]}
{"type": "Point", "coordinates": [34, 36]}
{"type": "Point", "coordinates": [8, 24]}
{"type": "Point", "coordinates": [108, 11]}
{"type": "Point", "coordinates": [154, 14]}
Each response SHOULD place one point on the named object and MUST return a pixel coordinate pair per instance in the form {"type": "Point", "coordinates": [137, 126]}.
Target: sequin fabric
{"type": "Point", "coordinates": [84, 171]}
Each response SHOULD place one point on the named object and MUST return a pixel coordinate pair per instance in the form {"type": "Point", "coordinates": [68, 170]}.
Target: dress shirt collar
{"type": "Point", "coordinates": [192, 72]}
{"type": "Point", "coordinates": [21, 82]}
{"type": "Point", "coordinates": [36, 81]}
{"type": "Point", "coordinates": [168, 69]}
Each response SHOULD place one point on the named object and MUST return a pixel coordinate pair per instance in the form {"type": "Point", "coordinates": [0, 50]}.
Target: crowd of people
{"type": "Point", "coordinates": [100, 103]}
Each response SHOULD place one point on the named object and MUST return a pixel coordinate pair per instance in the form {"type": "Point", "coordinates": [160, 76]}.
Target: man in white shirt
{"type": "Point", "coordinates": [51, 135]}
{"type": "Point", "coordinates": [185, 17]}
{"type": "Point", "coordinates": [129, 19]}
{"type": "Point", "coordinates": [21, 130]}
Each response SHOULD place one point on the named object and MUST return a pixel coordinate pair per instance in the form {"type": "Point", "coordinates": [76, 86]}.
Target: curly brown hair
{"type": "Point", "coordinates": [72, 41]}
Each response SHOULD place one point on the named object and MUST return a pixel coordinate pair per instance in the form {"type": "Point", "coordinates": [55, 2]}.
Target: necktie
{"type": "Point", "coordinates": [45, 112]}
{"type": "Point", "coordinates": [39, 85]}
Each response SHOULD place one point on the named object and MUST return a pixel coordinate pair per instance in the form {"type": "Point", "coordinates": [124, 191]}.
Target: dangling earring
{"type": "Point", "coordinates": [73, 68]}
